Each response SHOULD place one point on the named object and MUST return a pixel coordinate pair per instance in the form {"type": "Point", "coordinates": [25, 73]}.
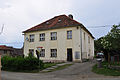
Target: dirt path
{"type": "Point", "coordinates": [78, 71]}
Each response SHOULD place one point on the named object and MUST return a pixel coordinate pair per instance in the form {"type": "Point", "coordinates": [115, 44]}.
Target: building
{"type": "Point", "coordinates": [9, 50]}
{"type": "Point", "coordinates": [62, 39]}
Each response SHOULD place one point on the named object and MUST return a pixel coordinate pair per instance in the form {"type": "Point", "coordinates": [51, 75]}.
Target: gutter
{"type": "Point", "coordinates": [81, 41]}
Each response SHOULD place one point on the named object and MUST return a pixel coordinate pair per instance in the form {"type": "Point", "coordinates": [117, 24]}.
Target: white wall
{"type": "Point", "coordinates": [61, 44]}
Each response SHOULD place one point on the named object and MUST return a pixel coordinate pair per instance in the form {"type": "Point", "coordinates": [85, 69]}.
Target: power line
{"type": "Point", "coordinates": [2, 29]}
{"type": "Point", "coordinates": [13, 43]}
{"type": "Point", "coordinates": [100, 26]}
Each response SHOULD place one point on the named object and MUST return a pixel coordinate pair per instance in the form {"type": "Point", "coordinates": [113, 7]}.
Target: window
{"type": "Point", "coordinates": [5, 51]}
{"type": "Point", "coordinates": [53, 52]}
{"type": "Point", "coordinates": [53, 35]}
{"type": "Point", "coordinates": [42, 53]}
{"type": "Point", "coordinates": [42, 37]}
{"type": "Point", "coordinates": [69, 34]}
{"type": "Point", "coordinates": [32, 38]}
{"type": "Point", "coordinates": [88, 39]}
{"type": "Point", "coordinates": [77, 55]}
{"type": "Point", "coordinates": [31, 51]}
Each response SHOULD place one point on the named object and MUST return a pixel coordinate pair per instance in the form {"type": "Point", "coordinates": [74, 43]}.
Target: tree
{"type": "Point", "coordinates": [98, 45]}
{"type": "Point", "coordinates": [110, 43]}
{"type": "Point", "coordinates": [112, 40]}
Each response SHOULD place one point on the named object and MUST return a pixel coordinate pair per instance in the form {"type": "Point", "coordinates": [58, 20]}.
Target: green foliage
{"type": "Point", "coordinates": [46, 65]}
{"type": "Point", "coordinates": [20, 63]}
{"type": "Point", "coordinates": [105, 70]}
{"type": "Point", "coordinates": [98, 45]}
{"type": "Point", "coordinates": [112, 40]}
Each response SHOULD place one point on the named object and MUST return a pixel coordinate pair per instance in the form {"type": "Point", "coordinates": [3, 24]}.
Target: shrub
{"type": "Point", "coordinates": [21, 64]}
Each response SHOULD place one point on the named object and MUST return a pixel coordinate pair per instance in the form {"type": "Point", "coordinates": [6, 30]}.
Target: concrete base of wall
{"type": "Point", "coordinates": [58, 61]}
{"type": "Point", "coordinates": [54, 61]}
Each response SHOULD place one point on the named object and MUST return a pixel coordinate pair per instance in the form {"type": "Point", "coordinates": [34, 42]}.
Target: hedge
{"type": "Point", "coordinates": [21, 64]}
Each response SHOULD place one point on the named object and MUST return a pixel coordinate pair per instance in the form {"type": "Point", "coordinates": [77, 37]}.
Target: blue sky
{"type": "Point", "coordinates": [19, 15]}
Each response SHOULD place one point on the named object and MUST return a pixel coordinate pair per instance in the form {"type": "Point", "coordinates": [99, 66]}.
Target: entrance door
{"type": "Point", "coordinates": [69, 54]}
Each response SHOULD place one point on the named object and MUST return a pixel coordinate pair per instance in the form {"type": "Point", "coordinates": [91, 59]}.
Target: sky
{"type": "Point", "coordinates": [19, 15]}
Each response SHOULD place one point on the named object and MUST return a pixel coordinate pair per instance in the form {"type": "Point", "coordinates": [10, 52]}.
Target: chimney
{"type": "Point", "coordinates": [70, 16]}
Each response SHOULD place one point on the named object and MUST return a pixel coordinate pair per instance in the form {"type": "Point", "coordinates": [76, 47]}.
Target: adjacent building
{"type": "Point", "coordinates": [62, 39]}
{"type": "Point", "coordinates": [10, 51]}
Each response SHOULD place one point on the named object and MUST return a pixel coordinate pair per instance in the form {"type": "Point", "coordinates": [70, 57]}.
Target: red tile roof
{"type": "Point", "coordinates": [3, 47]}
{"type": "Point", "coordinates": [61, 21]}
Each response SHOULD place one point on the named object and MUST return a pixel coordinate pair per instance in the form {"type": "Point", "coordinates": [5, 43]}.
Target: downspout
{"type": "Point", "coordinates": [81, 42]}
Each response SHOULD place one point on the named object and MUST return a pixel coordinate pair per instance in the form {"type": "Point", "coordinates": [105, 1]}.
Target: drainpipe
{"type": "Point", "coordinates": [81, 42]}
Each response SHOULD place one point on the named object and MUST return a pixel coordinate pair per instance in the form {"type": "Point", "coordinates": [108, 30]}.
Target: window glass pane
{"type": "Point", "coordinates": [42, 53]}
{"type": "Point", "coordinates": [31, 51]}
{"type": "Point", "coordinates": [32, 38]}
{"type": "Point", "coordinates": [69, 34]}
{"type": "Point", "coordinates": [53, 35]}
{"type": "Point", "coordinates": [42, 37]}
{"type": "Point", "coordinates": [53, 52]}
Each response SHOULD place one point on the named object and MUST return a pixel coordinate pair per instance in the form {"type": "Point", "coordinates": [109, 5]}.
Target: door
{"type": "Point", "coordinates": [69, 54]}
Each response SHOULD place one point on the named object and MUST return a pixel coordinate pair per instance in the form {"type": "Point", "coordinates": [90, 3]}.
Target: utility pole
{"type": "Point", "coordinates": [0, 53]}
{"type": "Point", "coordinates": [2, 29]}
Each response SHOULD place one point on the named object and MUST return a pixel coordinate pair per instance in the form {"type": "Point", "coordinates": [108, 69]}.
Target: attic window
{"type": "Point", "coordinates": [47, 22]}
{"type": "Point", "coordinates": [59, 20]}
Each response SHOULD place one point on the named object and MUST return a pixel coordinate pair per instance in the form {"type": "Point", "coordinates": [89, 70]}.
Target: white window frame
{"type": "Point", "coordinates": [42, 53]}
{"type": "Point", "coordinates": [53, 35]}
{"type": "Point", "coordinates": [53, 52]}
{"type": "Point", "coordinates": [69, 34]}
{"type": "Point", "coordinates": [31, 51]}
{"type": "Point", "coordinates": [42, 37]}
{"type": "Point", "coordinates": [32, 36]}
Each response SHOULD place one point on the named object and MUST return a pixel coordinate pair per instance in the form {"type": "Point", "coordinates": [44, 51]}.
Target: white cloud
{"type": "Point", "coordinates": [23, 14]}
{"type": "Point", "coordinates": [19, 15]}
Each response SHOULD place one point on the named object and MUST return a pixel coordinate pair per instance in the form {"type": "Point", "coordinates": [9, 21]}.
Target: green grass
{"type": "Point", "coordinates": [46, 65]}
{"type": "Point", "coordinates": [105, 70]}
{"type": "Point", "coordinates": [61, 67]}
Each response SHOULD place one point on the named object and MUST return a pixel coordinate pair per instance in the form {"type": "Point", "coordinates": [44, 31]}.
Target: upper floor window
{"type": "Point", "coordinates": [42, 53]}
{"type": "Point", "coordinates": [32, 38]}
{"type": "Point", "coordinates": [31, 52]}
{"type": "Point", "coordinates": [69, 34]}
{"type": "Point", "coordinates": [53, 35]}
{"type": "Point", "coordinates": [42, 37]}
{"type": "Point", "coordinates": [53, 52]}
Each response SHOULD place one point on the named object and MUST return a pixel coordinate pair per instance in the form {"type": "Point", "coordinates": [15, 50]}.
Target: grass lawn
{"type": "Point", "coordinates": [46, 65]}
{"type": "Point", "coordinates": [105, 70]}
{"type": "Point", "coordinates": [61, 67]}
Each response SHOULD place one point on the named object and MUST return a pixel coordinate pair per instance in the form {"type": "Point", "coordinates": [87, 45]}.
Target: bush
{"type": "Point", "coordinates": [21, 64]}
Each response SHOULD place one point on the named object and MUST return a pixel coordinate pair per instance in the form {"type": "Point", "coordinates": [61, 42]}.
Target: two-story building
{"type": "Point", "coordinates": [62, 39]}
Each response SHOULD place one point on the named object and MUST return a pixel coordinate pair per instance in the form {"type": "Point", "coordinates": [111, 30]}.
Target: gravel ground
{"type": "Point", "coordinates": [78, 71]}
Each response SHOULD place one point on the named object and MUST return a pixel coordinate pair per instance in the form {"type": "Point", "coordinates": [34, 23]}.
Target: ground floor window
{"type": "Point", "coordinates": [42, 53]}
{"type": "Point", "coordinates": [31, 51]}
{"type": "Point", "coordinates": [53, 52]}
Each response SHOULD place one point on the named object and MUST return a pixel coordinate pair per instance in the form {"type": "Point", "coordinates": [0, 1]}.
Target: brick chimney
{"type": "Point", "coordinates": [70, 16]}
